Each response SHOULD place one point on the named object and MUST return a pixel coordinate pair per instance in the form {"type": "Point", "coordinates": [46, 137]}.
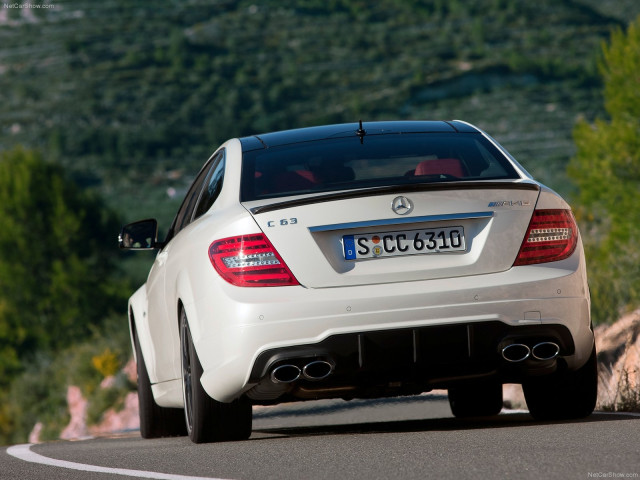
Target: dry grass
{"type": "Point", "coordinates": [626, 397]}
{"type": "Point", "coordinates": [619, 365]}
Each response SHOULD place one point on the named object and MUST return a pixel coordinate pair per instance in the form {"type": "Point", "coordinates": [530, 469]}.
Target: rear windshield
{"type": "Point", "coordinates": [381, 160]}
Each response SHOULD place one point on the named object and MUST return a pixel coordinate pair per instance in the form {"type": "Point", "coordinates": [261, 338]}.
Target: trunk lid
{"type": "Point", "coordinates": [440, 231]}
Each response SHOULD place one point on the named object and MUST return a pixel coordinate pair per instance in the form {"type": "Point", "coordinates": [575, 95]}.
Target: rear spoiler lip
{"type": "Point", "coordinates": [395, 189]}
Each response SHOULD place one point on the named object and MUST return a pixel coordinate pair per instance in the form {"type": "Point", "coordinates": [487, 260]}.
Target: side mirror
{"type": "Point", "coordinates": [141, 235]}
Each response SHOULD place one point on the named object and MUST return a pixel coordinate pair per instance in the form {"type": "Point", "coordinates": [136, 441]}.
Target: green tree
{"type": "Point", "coordinates": [606, 169]}
{"type": "Point", "coordinates": [56, 260]}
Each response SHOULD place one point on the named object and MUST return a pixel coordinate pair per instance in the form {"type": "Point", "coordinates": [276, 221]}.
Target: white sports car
{"type": "Point", "coordinates": [358, 261]}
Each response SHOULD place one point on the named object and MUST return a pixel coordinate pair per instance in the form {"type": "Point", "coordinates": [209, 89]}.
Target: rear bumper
{"type": "Point", "coordinates": [433, 354]}
{"type": "Point", "coordinates": [422, 334]}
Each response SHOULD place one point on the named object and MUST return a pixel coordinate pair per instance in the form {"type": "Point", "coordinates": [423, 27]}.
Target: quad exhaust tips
{"type": "Point", "coordinates": [519, 352]}
{"type": "Point", "coordinates": [314, 371]}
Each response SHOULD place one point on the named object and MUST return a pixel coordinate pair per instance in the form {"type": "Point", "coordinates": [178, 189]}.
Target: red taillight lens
{"type": "Point", "coordinates": [552, 235]}
{"type": "Point", "coordinates": [250, 261]}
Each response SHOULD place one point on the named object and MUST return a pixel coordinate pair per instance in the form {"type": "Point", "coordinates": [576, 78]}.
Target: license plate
{"type": "Point", "coordinates": [407, 242]}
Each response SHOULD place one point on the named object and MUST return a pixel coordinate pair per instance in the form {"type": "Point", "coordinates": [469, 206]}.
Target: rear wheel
{"type": "Point", "coordinates": [207, 419]}
{"type": "Point", "coordinates": [155, 421]}
{"type": "Point", "coordinates": [478, 399]}
{"type": "Point", "coordinates": [564, 395]}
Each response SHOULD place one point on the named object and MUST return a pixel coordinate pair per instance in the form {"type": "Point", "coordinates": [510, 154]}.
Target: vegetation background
{"type": "Point", "coordinates": [108, 109]}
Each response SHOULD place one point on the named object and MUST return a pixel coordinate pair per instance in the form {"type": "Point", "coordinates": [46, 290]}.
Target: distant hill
{"type": "Point", "coordinates": [133, 96]}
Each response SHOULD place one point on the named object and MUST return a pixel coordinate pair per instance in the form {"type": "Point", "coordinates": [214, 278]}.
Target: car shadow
{"type": "Point", "coordinates": [433, 425]}
{"type": "Point", "coordinates": [506, 419]}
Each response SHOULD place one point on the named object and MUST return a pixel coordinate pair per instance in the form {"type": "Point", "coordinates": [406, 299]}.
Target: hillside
{"type": "Point", "coordinates": [132, 96]}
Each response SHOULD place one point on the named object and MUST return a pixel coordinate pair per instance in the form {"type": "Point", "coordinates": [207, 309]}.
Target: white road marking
{"type": "Point", "coordinates": [23, 452]}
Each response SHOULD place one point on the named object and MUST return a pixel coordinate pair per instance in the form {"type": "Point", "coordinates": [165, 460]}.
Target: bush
{"type": "Point", "coordinates": [606, 169]}
{"type": "Point", "coordinates": [57, 260]}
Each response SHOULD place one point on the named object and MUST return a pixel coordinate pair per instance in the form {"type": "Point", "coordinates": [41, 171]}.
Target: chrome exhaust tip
{"type": "Point", "coordinates": [545, 351]}
{"type": "Point", "coordinates": [516, 352]}
{"type": "Point", "coordinates": [285, 374]}
{"type": "Point", "coordinates": [317, 370]}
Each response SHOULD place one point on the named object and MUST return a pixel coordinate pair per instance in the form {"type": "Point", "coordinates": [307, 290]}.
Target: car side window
{"type": "Point", "coordinates": [183, 218]}
{"type": "Point", "coordinates": [213, 185]}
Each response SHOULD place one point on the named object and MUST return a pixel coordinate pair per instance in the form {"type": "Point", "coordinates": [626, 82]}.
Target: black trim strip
{"type": "Point", "coordinates": [400, 221]}
{"type": "Point", "coordinates": [372, 192]}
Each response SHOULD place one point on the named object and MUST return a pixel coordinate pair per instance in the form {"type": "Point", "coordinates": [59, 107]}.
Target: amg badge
{"type": "Point", "coordinates": [510, 203]}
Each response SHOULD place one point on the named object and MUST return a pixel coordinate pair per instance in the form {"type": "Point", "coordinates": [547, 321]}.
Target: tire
{"type": "Point", "coordinates": [564, 395]}
{"type": "Point", "coordinates": [478, 399]}
{"type": "Point", "coordinates": [155, 421]}
{"type": "Point", "coordinates": [208, 420]}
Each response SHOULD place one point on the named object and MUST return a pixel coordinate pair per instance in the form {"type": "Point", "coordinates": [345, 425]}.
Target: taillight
{"type": "Point", "coordinates": [552, 235]}
{"type": "Point", "coordinates": [250, 261]}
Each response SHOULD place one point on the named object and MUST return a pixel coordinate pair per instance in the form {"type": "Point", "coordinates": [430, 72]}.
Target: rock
{"type": "Point", "coordinates": [618, 347]}
{"type": "Point", "coordinates": [126, 419]}
{"type": "Point", "coordinates": [108, 382]}
{"type": "Point", "coordinates": [116, 422]}
{"type": "Point", "coordinates": [34, 436]}
{"type": "Point", "coordinates": [77, 427]}
{"type": "Point", "coordinates": [513, 397]}
{"type": "Point", "coordinates": [131, 371]}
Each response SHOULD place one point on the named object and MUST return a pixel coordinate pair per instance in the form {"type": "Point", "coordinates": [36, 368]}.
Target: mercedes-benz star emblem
{"type": "Point", "coordinates": [401, 205]}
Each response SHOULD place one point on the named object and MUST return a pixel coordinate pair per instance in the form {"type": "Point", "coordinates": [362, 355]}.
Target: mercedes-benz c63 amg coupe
{"type": "Point", "coordinates": [360, 261]}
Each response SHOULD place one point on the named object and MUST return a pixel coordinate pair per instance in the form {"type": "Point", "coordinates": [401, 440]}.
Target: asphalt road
{"type": "Point", "coordinates": [408, 438]}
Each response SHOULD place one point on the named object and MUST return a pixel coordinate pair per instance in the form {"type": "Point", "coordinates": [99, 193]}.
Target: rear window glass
{"type": "Point", "coordinates": [381, 160]}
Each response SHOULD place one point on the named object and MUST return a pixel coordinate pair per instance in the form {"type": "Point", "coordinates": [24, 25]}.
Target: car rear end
{"type": "Point", "coordinates": [393, 259]}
